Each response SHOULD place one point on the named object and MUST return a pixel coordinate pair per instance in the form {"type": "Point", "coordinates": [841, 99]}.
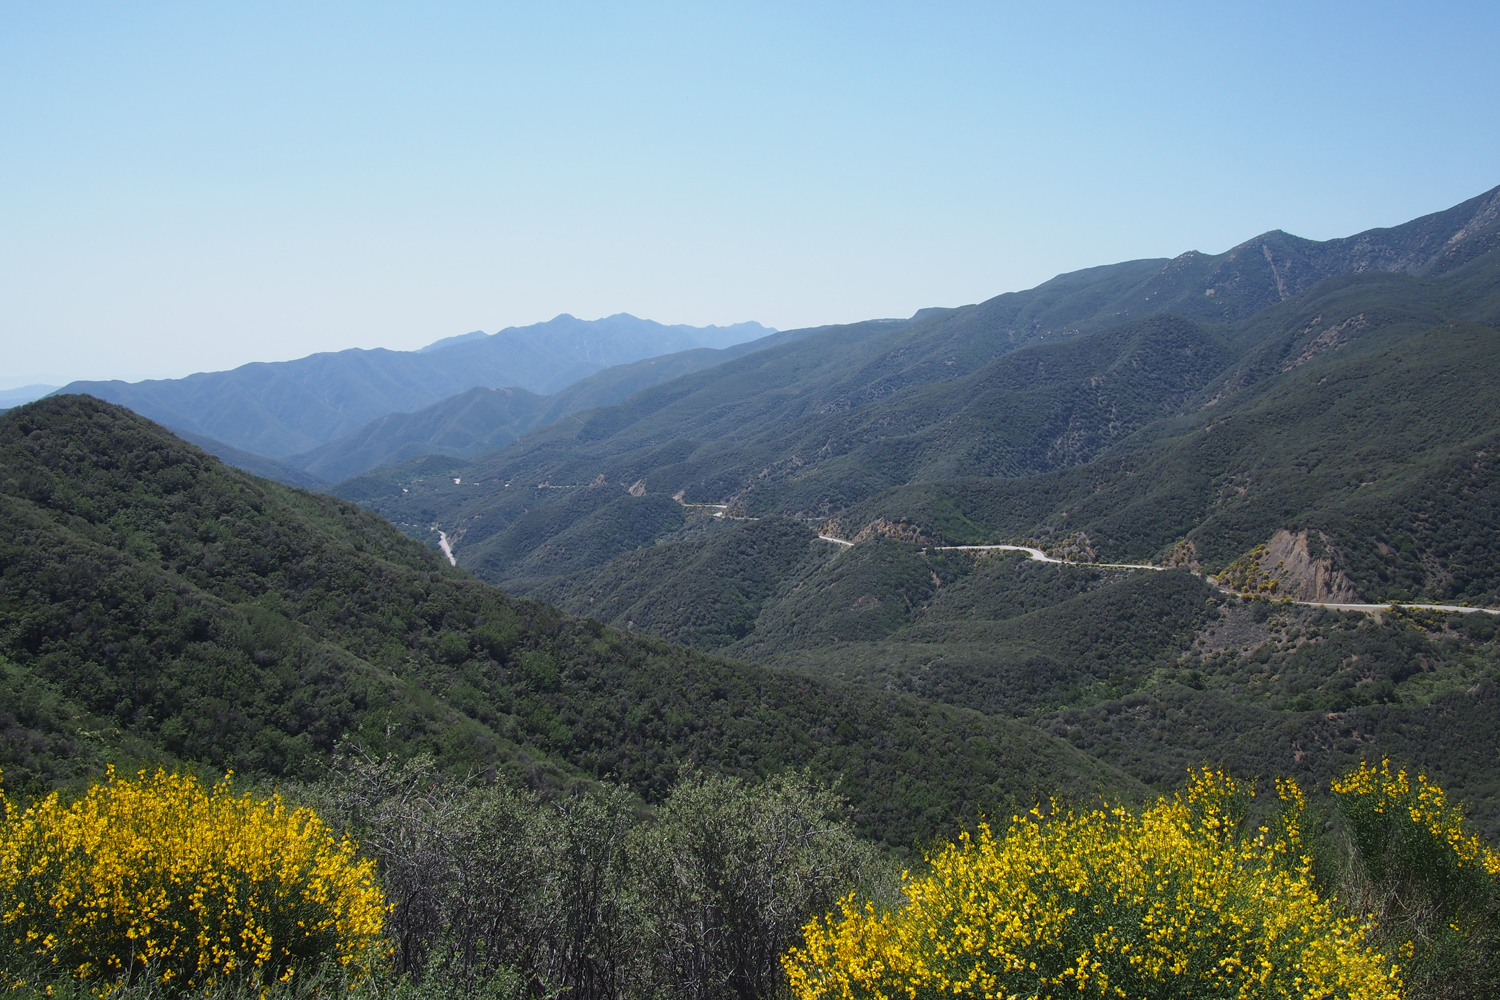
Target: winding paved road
{"type": "Point", "coordinates": [1386, 607]}
{"type": "Point", "coordinates": [1037, 555]}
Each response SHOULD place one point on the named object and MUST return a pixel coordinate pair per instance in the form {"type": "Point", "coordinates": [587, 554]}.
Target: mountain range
{"type": "Point", "coordinates": [986, 423]}
{"type": "Point", "coordinates": [24, 394]}
{"type": "Point", "coordinates": [748, 560]}
{"type": "Point", "coordinates": [484, 418]}
{"type": "Point", "coordinates": [1322, 427]}
{"type": "Point", "coordinates": [279, 409]}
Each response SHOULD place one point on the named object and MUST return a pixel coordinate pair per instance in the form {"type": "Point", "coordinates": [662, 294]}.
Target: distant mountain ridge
{"type": "Point", "coordinates": [710, 336]}
{"type": "Point", "coordinates": [24, 394]}
{"type": "Point", "coordinates": [1209, 288]}
{"type": "Point", "coordinates": [438, 345]}
{"type": "Point", "coordinates": [256, 465]}
{"type": "Point", "coordinates": [278, 409]}
{"type": "Point", "coordinates": [1345, 404]}
{"type": "Point", "coordinates": [483, 419]}
{"type": "Point", "coordinates": [1324, 426]}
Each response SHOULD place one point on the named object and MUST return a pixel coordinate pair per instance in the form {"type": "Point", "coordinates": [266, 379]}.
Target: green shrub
{"type": "Point", "coordinates": [1431, 884]}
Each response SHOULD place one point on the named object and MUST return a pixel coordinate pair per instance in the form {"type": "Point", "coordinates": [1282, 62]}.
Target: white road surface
{"type": "Point", "coordinates": [1037, 555]}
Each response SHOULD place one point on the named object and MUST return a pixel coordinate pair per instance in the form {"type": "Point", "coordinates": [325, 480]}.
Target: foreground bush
{"type": "Point", "coordinates": [1432, 885]}
{"type": "Point", "coordinates": [163, 878]}
{"type": "Point", "coordinates": [728, 874]}
{"type": "Point", "coordinates": [589, 895]}
{"type": "Point", "coordinates": [1179, 901]}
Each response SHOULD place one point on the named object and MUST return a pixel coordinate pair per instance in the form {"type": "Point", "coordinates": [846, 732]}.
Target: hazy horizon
{"type": "Point", "coordinates": [197, 188]}
{"type": "Point", "coordinates": [59, 383]}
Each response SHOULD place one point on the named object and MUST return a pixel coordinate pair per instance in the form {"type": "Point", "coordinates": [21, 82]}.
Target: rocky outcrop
{"type": "Point", "coordinates": [1300, 566]}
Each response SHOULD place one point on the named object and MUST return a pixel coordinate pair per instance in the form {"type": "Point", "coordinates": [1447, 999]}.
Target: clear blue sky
{"type": "Point", "coordinates": [193, 186]}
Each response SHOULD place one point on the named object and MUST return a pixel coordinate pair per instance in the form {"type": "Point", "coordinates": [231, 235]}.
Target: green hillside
{"type": "Point", "coordinates": [1333, 438]}
{"type": "Point", "coordinates": [1383, 444]}
{"type": "Point", "coordinates": [799, 455]}
{"type": "Point", "coordinates": [1157, 672]}
{"type": "Point", "coordinates": [706, 590]}
{"type": "Point", "coordinates": [470, 422]}
{"type": "Point", "coordinates": [1360, 412]}
{"type": "Point", "coordinates": [256, 465]}
{"type": "Point", "coordinates": [1153, 672]}
{"type": "Point", "coordinates": [161, 605]}
{"type": "Point", "coordinates": [1141, 435]}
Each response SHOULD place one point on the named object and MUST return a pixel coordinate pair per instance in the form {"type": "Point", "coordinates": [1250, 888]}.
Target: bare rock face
{"type": "Point", "coordinates": [1304, 565]}
{"type": "Point", "coordinates": [639, 489]}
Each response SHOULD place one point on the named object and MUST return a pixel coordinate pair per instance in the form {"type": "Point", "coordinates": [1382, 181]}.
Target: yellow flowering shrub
{"type": "Point", "coordinates": [161, 876]}
{"type": "Point", "coordinates": [1431, 883]}
{"type": "Point", "coordinates": [1173, 902]}
{"type": "Point", "coordinates": [1377, 801]}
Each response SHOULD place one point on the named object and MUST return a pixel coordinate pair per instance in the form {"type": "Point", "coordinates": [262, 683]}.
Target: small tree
{"type": "Point", "coordinates": [490, 884]}
{"type": "Point", "coordinates": [727, 875]}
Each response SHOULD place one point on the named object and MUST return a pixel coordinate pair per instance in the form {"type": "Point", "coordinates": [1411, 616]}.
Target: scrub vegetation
{"type": "Point", "coordinates": [160, 887]}
{"type": "Point", "coordinates": [713, 706]}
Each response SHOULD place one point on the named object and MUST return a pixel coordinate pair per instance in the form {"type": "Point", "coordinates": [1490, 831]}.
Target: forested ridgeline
{"type": "Point", "coordinates": [161, 605]}
{"type": "Point", "coordinates": [1338, 445]}
{"type": "Point", "coordinates": [1360, 411]}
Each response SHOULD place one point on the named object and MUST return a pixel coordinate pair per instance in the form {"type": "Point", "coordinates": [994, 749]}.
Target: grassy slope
{"type": "Point", "coordinates": [178, 608]}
